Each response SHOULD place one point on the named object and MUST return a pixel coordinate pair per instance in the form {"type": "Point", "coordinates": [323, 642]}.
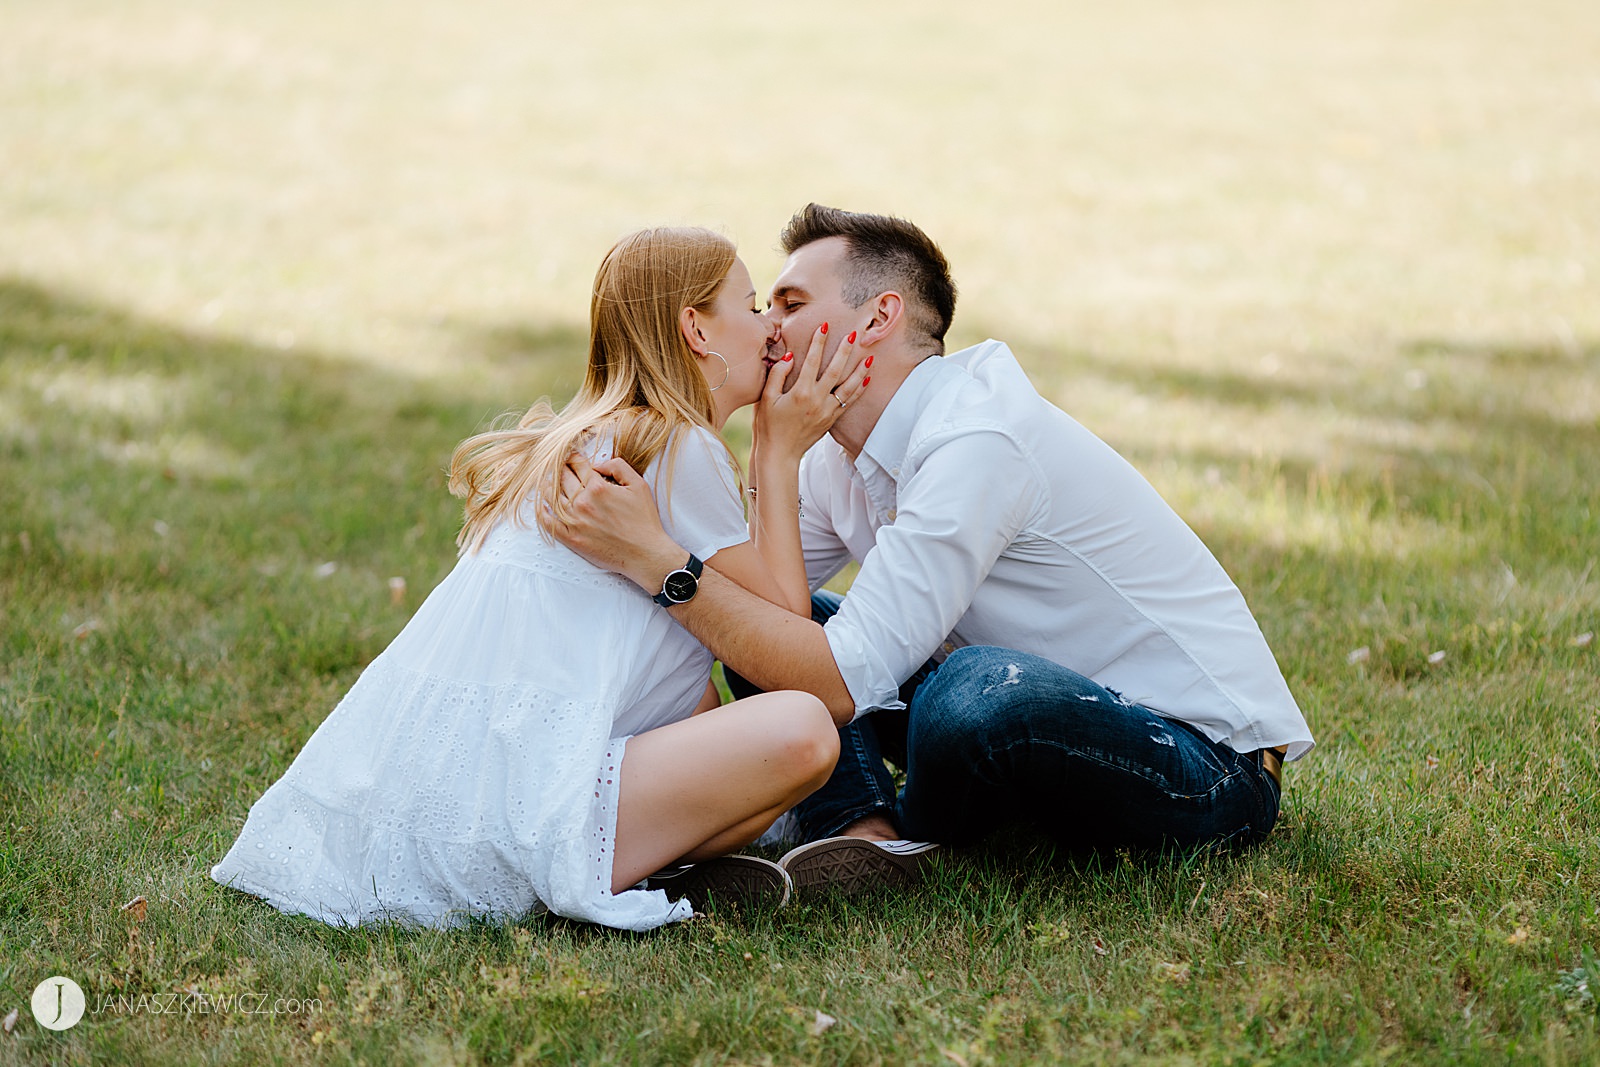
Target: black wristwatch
{"type": "Point", "coordinates": [681, 585]}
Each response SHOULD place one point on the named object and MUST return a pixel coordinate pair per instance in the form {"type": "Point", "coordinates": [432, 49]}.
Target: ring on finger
{"type": "Point", "coordinates": [840, 399]}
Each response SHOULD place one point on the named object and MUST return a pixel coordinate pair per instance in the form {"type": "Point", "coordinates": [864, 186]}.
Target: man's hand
{"type": "Point", "coordinates": [608, 516]}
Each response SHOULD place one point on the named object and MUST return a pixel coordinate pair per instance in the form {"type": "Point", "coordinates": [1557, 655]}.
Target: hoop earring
{"type": "Point", "coordinates": [725, 369]}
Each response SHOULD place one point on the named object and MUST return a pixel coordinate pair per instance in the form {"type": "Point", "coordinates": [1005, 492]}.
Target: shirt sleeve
{"type": "Point", "coordinates": [960, 509]}
{"type": "Point", "coordinates": [697, 492]}
{"type": "Point", "coordinates": [824, 550]}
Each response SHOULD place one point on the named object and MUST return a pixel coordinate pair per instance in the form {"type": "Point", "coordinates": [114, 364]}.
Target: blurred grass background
{"type": "Point", "coordinates": [1325, 272]}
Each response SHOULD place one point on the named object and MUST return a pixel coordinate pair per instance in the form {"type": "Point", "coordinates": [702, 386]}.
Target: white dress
{"type": "Point", "coordinates": [472, 769]}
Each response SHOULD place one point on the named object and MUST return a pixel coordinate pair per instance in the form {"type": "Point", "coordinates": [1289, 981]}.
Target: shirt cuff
{"type": "Point", "coordinates": [869, 679]}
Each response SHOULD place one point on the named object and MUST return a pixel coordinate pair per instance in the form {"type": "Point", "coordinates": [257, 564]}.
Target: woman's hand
{"type": "Point", "coordinates": [788, 423]}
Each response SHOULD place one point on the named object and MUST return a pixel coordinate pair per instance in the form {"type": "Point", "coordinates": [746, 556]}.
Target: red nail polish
{"type": "Point", "coordinates": [851, 339]}
{"type": "Point", "coordinates": [866, 381]}
{"type": "Point", "coordinates": [867, 363]}
{"type": "Point", "coordinates": [787, 356]}
{"type": "Point", "coordinates": [824, 329]}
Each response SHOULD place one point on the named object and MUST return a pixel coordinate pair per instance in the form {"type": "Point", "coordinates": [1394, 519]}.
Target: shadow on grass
{"type": "Point", "coordinates": [1504, 455]}
{"type": "Point", "coordinates": [1513, 456]}
{"type": "Point", "coordinates": [115, 423]}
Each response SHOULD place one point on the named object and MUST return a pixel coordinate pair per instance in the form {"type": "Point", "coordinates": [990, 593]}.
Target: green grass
{"type": "Point", "coordinates": [1322, 272]}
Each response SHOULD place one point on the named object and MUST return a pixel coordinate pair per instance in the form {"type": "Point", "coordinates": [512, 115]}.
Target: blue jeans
{"type": "Point", "coordinates": [993, 737]}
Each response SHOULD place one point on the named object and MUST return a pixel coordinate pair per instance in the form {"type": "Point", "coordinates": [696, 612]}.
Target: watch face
{"type": "Point", "coordinates": [680, 586]}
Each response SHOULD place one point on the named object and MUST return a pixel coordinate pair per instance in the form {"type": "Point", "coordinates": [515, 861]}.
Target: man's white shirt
{"type": "Point", "coordinates": [982, 514]}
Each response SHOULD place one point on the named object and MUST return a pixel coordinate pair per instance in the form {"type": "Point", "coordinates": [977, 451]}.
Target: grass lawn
{"type": "Point", "coordinates": [1324, 272]}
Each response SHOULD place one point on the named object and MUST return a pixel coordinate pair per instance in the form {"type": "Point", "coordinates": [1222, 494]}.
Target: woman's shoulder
{"type": "Point", "coordinates": [701, 440]}
{"type": "Point", "coordinates": [691, 447]}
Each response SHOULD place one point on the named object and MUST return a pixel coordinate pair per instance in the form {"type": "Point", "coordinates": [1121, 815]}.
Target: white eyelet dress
{"type": "Point", "coordinates": [472, 770]}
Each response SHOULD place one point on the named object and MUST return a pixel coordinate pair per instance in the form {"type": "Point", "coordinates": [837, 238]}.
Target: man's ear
{"type": "Point", "coordinates": [888, 314]}
{"type": "Point", "coordinates": [689, 326]}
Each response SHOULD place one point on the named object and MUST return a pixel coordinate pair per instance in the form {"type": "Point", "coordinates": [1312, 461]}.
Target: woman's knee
{"type": "Point", "coordinates": [804, 737]}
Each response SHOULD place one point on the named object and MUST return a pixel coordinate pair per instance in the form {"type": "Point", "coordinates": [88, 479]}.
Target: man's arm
{"type": "Point", "coordinates": [770, 647]}
{"type": "Point", "coordinates": [616, 526]}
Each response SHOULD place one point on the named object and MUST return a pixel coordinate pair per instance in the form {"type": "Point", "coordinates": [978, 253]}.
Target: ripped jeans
{"type": "Point", "coordinates": [993, 737]}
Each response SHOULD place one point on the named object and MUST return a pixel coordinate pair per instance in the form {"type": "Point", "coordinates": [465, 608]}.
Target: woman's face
{"type": "Point", "coordinates": [736, 328]}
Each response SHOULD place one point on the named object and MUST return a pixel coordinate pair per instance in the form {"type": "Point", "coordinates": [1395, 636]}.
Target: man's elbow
{"type": "Point", "coordinates": [835, 695]}
{"type": "Point", "coordinates": [842, 708]}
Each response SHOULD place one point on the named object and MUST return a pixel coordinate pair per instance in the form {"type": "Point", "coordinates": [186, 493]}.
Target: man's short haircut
{"type": "Point", "coordinates": [883, 253]}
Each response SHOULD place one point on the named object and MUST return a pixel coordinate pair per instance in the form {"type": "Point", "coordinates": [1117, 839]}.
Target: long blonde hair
{"type": "Point", "coordinates": [641, 385]}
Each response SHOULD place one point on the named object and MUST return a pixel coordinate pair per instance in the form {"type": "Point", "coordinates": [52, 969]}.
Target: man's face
{"type": "Point", "coordinates": [808, 294]}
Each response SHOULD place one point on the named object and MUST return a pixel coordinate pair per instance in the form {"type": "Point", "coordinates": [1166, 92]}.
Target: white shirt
{"type": "Point", "coordinates": [982, 514]}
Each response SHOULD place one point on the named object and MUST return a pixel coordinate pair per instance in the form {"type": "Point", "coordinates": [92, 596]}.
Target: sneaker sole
{"type": "Point", "coordinates": [747, 879]}
{"type": "Point", "coordinates": [851, 864]}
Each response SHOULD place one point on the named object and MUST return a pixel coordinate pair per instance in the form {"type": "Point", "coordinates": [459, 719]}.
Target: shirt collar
{"type": "Point", "coordinates": [887, 443]}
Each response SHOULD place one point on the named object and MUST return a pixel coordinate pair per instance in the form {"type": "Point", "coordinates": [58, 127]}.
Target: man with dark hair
{"type": "Point", "coordinates": [885, 254]}
{"type": "Point", "coordinates": [1034, 635]}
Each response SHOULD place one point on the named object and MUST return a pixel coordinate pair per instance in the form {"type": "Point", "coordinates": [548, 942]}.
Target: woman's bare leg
{"type": "Point", "coordinates": [711, 783]}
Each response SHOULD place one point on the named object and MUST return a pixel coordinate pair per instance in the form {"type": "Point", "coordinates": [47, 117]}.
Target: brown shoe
{"type": "Point", "coordinates": [748, 879]}
{"type": "Point", "coordinates": [851, 864]}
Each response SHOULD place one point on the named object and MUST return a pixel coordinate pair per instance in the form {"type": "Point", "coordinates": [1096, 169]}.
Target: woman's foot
{"type": "Point", "coordinates": [747, 879]}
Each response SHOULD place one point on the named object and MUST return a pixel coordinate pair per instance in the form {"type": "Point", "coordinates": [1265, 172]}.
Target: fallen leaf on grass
{"type": "Point", "coordinates": [83, 630]}
{"type": "Point", "coordinates": [1518, 936]}
{"type": "Point", "coordinates": [1435, 658]}
{"type": "Point", "coordinates": [11, 1020]}
{"type": "Point", "coordinates": [1359, 655]}
{"type": "Point", "coordinates": [1099, 947]}
{"type": "Point", "coordinates": [954, 1057]}
{"type": "Point", "coordinates": [1177, 973]}
{"type": "Point", "coordinates": [135, 909]}
{"type": "Point", "coordinates": [1433, 763]}
{"type": "Point", "coordinates": [822, 1023]}
{"type": "Point", "coordinates": [397, 590]}
{"type": "Point", "coordinates": [326, 570]}
{"type": "Point", "coordinates": [1582, 640]}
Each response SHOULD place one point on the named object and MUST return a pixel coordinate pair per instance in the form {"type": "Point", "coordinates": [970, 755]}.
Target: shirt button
{"type": "Point", "coordinates": [892, 513]}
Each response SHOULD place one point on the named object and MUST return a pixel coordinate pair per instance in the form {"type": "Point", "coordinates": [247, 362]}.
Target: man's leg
{"type": "Point", "coordinates": [998, 736]}
{"type": "Point", "coordinates": [861, 789]}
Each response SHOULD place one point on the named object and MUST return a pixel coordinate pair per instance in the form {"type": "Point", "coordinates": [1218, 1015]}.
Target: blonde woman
{"type": "Point", "coordinates": [542, 733]}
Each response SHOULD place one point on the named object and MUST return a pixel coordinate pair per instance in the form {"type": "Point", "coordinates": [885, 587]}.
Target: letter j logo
{"type": "Point", "coordinates": [58, 1003]}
